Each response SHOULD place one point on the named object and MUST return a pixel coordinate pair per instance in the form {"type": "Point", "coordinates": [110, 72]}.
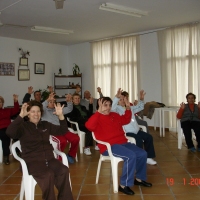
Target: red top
{"type": "Point", "coordinates": [6, 114]}
{"type": "Point", "coordinates": [108, 128]}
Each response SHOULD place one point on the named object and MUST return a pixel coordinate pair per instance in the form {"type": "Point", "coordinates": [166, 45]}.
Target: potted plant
{"type": "Point", "coordinates": [76, 70]}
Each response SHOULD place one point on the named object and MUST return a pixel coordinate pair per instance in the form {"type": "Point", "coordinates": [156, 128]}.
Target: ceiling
{"type": "Point", "coordinates": [89, 22]}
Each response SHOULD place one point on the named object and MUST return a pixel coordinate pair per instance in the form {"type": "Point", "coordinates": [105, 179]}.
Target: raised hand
{"type": "Point", "coordinates": [30, 90]}
{"type": "Point", "coordinates": [182, 105]}
{"type": "Point", "coordinates": [51, 97]}
{"type": "Point", "coordinates": [91, 100]}
{"type": "Point", "coordinates": [23, 111]}
{"type": "Point", "coordinates": [199, 104]}
{"type": "Point", "coordinates": [68, 98]}
{"type": "Point", "coordinates": [78, 89]}
{"type": "Point", "coordinates": [50, 88]}
{"type": "Point", "coordinates": [119, 91]}
{"type": "Point", "coordinates": [99, 90]}
{"type": "Point", "coordinates": [142, 94]}
{"type": "Point", "coordinates": [127, 103]}
{"type": "Point", "coordinates": [100, 109]}
{"type": "Point", "coordinates": [135, 102]}
{"type": "Point", "coordinates": [15, 97]}
{"type": "Point", "coordinates": [59, 110]}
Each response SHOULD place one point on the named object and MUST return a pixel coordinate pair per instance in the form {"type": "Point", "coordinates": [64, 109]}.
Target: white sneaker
{"type": "Point", "coordinates": [151, 161]}
{"type": "Point", "coordinates": [96, 148]}
{"type": "Point", "coordinates": [87, 151]}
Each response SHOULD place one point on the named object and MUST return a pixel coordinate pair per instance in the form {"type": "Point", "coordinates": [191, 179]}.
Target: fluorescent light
{"type": "Point", "coordinates": [122, 10]}
{"type": "Point", "coordinates": [51, 30]}
{"type": "Point", "coordinates": [59, 4]}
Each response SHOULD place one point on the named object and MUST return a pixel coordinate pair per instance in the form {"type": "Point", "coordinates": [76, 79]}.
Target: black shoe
{"type": "Point", "coordinates": [126, 190]}
{"type": "Point", "coordinates": [142, 183]}
{"type": "Point", "coordinates": [6, 160]}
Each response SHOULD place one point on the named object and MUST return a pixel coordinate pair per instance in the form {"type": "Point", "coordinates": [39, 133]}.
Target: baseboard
{"type": "Point", "coordinates": [157, 128]}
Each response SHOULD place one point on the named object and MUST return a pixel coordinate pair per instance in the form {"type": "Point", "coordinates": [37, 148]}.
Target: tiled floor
{"type": "Point", "coordinates": [176, 176]}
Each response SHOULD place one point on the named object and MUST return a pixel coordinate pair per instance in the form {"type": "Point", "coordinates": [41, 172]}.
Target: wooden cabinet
{"type": "Point", "coordinates": [65, 84]}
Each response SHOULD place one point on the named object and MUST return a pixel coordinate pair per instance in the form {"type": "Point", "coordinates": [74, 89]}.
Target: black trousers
{"type": "Point", "coordinates": [54, 174]}
{"type": "Point", "coordinates": [187, 126]}
{"type": "Point", "coordinates": [88, 135]}
{"type": "Point", "coordinates": [5, 142]}
{"type": "Point", "coordinates": [143, 138]}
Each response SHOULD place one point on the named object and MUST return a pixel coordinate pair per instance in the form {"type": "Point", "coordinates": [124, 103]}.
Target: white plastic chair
{"type": "Point", "coordinates": [114, 162]}
{"type": "Point", "coordinates": [181, 135]}
{"type": "Point", "coordinates": [55, 139]}
{"type": "Point", "coordinates": [28, 182]}
{"type": "Point", "coordinates": [144, 128]}
{"type": "Point", "coordinates": [80, 133]}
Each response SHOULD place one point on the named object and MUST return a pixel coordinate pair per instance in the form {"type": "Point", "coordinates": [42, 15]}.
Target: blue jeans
{"type": "Point", "coordinates": [135, 160]}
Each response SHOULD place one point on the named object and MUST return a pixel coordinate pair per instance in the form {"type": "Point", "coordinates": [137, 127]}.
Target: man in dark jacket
{"type": "Point", "coordinates": [80, 115]}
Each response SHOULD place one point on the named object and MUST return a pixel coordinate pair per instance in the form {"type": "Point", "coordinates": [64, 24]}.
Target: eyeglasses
{"type": "Point", "coordinates": [52, 102]}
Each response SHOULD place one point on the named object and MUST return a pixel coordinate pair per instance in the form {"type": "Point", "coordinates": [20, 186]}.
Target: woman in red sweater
{"type": "Point", "coordinates": [5, 120]}
{"type": "Point", "coordinates": [189, 114]}
{"type": "Point", "coordinates": [107, 126]}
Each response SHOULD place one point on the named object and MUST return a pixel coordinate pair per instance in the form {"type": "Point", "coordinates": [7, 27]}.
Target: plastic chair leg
{"type": "Point", "coordinates": [98, 170]}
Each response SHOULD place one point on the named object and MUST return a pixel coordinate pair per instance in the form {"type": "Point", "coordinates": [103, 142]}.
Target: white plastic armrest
{"type": "Point", "coordinates": [104, 143]}
{"type": "Point", "coordinates": [63, 155]}
{"type": "Point", "coordinates": [75, 123]}
{"type": "Point", "coordinates": [131, 139]}
{"type": "Point", "coordinates": [23, 164]}
{"type": "Point", "coordinates": [143, 128]}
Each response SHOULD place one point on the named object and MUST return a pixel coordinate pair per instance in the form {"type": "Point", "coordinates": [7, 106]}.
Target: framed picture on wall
{"type": "Point", "coordinates": [7, 69]}
{"type": "Point", "coordinates": [23, 74]}
{"type": "Point", "coordinates": [39, 68]}
{"type": "Point", "coordinates": [23, 61]}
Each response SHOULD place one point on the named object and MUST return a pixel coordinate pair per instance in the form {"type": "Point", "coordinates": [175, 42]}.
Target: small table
{"type": "Point", "coordinates": [162, 111]}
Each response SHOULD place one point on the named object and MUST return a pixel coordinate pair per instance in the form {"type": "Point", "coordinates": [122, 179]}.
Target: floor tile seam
{"type": "Point", "coordinates": [82, 183]}
{"type": "Point", "coordinates": [9, 177]}
{"type": "Point", "coordinates": [184, 168]}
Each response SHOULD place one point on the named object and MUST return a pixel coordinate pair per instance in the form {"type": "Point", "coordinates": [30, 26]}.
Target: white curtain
{"type": "Point", "coordinates": [115, 66]}
{"type": "Point", "coordinates": [179, 50]}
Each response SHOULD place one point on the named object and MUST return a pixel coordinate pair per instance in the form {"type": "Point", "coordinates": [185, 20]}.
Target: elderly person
{"type": "Point", "coordinates": [87, 95]}
{"type": "Point", "coordinates": [5, 120]}
{"type": "Point", "coordinates": [80, 115]}
{"type": "Point", "coordinates": [189, 114]}
{"type": "Point", "coordinates": [48, 115]}
{"type": "Point", "coordinates": [38, 152]}
{"type": "Point", "coordinates": [107, 126]}
{"type": "Point", "coordinates": [132, 129]}
{"type": "Point", "coordinates": [37, 95]}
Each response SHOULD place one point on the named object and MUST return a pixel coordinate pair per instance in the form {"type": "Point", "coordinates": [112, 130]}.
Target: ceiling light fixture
{"type": "Point", "coordinates": [122, 10]}
{"type": "Point", "coordinates": [51, 30]}
{"type": "Point", "coordinates": [59, 4]}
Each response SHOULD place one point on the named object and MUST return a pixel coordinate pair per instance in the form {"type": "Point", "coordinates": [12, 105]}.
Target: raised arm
{"type": "Point", "coordinates": [28, 95]}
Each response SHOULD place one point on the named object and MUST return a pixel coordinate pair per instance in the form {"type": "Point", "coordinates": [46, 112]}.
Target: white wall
{"type": "Point", "coordinates": [80, 54]}
{"type": "Point", "coordinates": [150, 74]}
{"type": "Point", "coordinates": [54, 57]}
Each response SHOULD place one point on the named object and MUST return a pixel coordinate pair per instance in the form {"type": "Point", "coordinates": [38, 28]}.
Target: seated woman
{"type": "Point", "coordinates": [48, 115]}
{"type": "Point", "coordinates": [5, 120]}
{"type": "Point", "coordinates": [80, 115]}
{"type": "Point", "coordinates": [132, 129]}
{"type": "Point", "coordinates": [189, 114]}
{"type": "Point", "coordinates": [38, 152]}
{"type": "Point", "coordinates": [107, 126]}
